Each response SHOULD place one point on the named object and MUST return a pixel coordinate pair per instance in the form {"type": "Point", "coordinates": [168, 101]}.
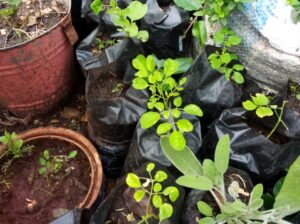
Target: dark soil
{"type": "Point", "coordinates": [33, 199]}
{"type": "Point", "coordinates": [257, 126]}
{"type": "Point", "coordinates": [293, 103]}
{"type": "Point", "coordinates": [29, 21]}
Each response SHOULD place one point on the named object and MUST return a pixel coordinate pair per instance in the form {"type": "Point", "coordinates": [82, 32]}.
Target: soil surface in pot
{"type": "Point", "coordinates": [293, 102]}
{"type": "Point", "coordinates": [108, 85]}
{"type": "Point", "coordinates": [30, 19]}
{"type": "Point", "coordinates": [31, 198]}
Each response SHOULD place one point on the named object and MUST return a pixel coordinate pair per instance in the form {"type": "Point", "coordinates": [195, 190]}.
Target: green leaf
{"type": "Point", "coordinates": [204, 208]}
{"type": "Point", "coordinates": [184, 65]}
{"type": "Point", "coordinates": [188, 4]}
{"type": "Point", "coordinates": [143, 35]}
{"type": "Point", "coordinates": [249, 105]}
{"type": "Point", "coordinates": [256, 204]}
{"type": "Point", "coordinates": [160, 176]}
{"type": "Point", "coordinates": [139, 195]}
{"type": "Point", "coordinates": [199, 31]}
{"type": "Point", "coordinates": [46, 155]}
{"type": "Point", "coordinates": [133, 180]}
{"type": "Point", "coordinates": [185, 161]}
{"type": "Point", "coordinates": [96, 6]}
{"type": "Point", "coordinates": [238, 77]}
{"type": "Point", "coordinates": [260, 99]}
{"type": "Point", "coordinates": [184, 125]}
{"type": "Point", "coordinates": [207, 220]}
{"type": "Point", "coordinates": [149, 119]}
{"type": "Point", "coordinates": [42, 170]}
{"type": "Point", "coordinates": [238, 205]}
{"type": "Point", "coordinates": [163, 128]}
{"type": "Point", "coordinates": [150, 167]}
{"type": "Point", "coordinates": [170, 67]}
{"type": "Point", "coordinates": [233, 41]}
{"type": "Point", "coordinates": [183, 81]}
{"type": "Point", "coordinates": [172, 192]}
{"type": "Point", "coordinates": [289, 194]}
{"type": "Point", "coordinates": [159, 106]}
{"type": "Point", "coordinates": [195, 182]}
{"type": "Point", "coordinates": [177, 101]}
{"type": "Point", "coordinates": [238, 67]}
{"type": "Point", "coordinates": [222, 154]}
{"type": "Point", "coordinates": [177, 140]}
{"type": "Point", "coordinates": [165, 211]}
{"type": "Point", "coordinates": [193, 109]}
{"type": "Point", "coordinates": [264, 112]}
{"type": "Point", "coordinates": [156, 201]}
{"type": "Point", "coordinates": [136, 10]}
{"type": "Point", "coordinates": [150, 63]}
{"type": "Point", "coordinates": [256, 193]}
{"type": "Point", "coordinates": [42, 161]}
{"type": "Point", "coordinates": [139, 83]}
{"type": "Point", "coordinates": [176, 113]}
{"type": "Point", "coordinates": [166, 114]}
{"type": "Point", "coordinates": [209, 170]}
{"type": "Point", "coordinates": [72, 154]}
{"type": "Point", "coordinates": [139, 63]}
{"type": "Point", "coordinates": [131, 30]}
{"type": "Point", "coordinates": [157, 187]}
{"type": "Point", "coordinates": [225, 58]}
{"type": "Point", "coordinates": [219, 37]}
{"type": "Point", "coordinates": [278, 186]}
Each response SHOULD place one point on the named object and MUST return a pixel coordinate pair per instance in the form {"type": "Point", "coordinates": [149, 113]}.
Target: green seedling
{"type": "Point", "coordinates": [260, 103]}
{"type": "Point", "coordinates": [51, 165]}
{"type": "Point", "coordinates": [209, 176]}
{"type": "Point", "coordinates": [152, 189]}
{"type": "Point", "coordinates": [294, 88]}
{"type": "Point", "coordinates": [125, 19]}
{"type": "Point", "coordinates": [119, 87]}
{"type": "Point", "coordinates": [165, 103]}
{"type": "Point", "coordinates": [101, 44]}
{"type": "Point", "coordinates": [9, 8]}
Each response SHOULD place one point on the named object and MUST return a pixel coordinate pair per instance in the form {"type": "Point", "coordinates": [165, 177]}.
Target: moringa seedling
{"type": "Point", "coordinates": [51, 165]}
{"type": "Point", "coordinates": [151, 188]}
{"type": "Point", "coordinates": [260, 103]}
{"type": "Point", "coordinates": [165, 102]}
{"type": "Point", "coordinates": [125, 19]}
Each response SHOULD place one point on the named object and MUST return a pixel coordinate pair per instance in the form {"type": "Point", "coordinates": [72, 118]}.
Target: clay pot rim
{"type": "Point", "coordinates": [82, 143]}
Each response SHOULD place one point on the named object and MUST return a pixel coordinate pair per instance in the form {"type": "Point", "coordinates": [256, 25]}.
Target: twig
{"type": "Point", "coordinates": [21, 31]}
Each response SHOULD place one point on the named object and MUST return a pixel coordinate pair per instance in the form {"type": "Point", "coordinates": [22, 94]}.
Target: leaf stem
{"type": "Point", "coordinates": [279, 119]}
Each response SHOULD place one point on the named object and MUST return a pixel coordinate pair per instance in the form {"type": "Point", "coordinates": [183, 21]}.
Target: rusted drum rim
{"type": "Point", "coordinates": [67, 4]}
{"type": "Point", "coordinates": [77, 139]}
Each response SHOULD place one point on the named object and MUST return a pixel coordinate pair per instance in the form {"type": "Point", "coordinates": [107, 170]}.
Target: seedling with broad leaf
{"type": "Point", "coordinates": [217, 11]}
{"type": "Point", "coordinates": [125, 19]}
{"type": "Point", "coordinates": [165, 103]}
{"type": "Point", "coordinates": [209, 176]}
{"type": "Point", "coordinates": [260, 103]}
{"type": "Point", "coordinates": [152, 189]}
{"type": "Point", "coordinates": [101, 44]}
{"type": "Point", "coordinates": [52, 164]}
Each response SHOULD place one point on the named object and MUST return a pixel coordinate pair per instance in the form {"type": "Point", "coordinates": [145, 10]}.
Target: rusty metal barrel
{"type": "Point", "coordinates": [36, 75]}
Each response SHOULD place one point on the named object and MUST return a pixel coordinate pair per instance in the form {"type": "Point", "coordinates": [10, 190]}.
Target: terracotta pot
{"type": "Point", "coordinates": [37, 74]}
{"type": "Point", "coordinates": [83, 144]}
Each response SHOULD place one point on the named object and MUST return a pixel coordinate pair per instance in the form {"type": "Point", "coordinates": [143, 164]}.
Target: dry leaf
{"type": "Point", "coordinates": [3, 32]}
{"type": "Point", "coordinates": [46, 11]}
{"type": "Point", "coordinates": [31, 21]}
{"type": "Point", "coordinates": [69, 113]}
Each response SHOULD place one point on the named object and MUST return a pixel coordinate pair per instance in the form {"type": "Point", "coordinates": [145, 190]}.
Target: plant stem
{"type": "Point", "coordinates": [189, 27]}
{"type": "Point", "coordinates": [279, 119]}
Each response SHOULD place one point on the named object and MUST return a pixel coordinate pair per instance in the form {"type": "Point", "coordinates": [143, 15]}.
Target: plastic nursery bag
{"type": "Point", "coordinates": [145, 145]}
{"type": "Point", "coordinates": [250, 150]}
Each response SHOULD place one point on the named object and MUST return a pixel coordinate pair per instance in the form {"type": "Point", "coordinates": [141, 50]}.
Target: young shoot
{"type": "Point", "coordinates": [209, 176]}
{"type": "Point", "coordinates": [295, 90]}
{"type": "Point", "coordinates": [52, 164]}
{"type": "Point", "coordinates": [152, 189]}
{"type": "Point", "coordinates": [101, 44]}
{"type": "Point", "coordinates": [125, 19]}
{"type": "Point", "coordinates": [260, 103]}
{"type": "Point", "coordinates": [14, 148]}
{"type": "Point", "coordinates": [165, 103]}
{"type": "Point", "coordinates": [9, 9]}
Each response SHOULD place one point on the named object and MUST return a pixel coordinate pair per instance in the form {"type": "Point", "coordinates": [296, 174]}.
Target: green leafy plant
{"type": "Point", "coordinates": [9, 9]}
{"type": "Point", "coordinates": [101, 44]}
{"type": "Point", "coordinates": [165, 103]}
{"type": "Point", "coordinates": [152, 189]}
{"type": "Point", "coordinates": [294, 88]}
{"type": "Point", "coordinates": [119, 87]}
{"type": "Point", "coordinates": [216, 11]}
{"type": "Point", "coordinates": [260, 103]}
{"type": "Point", "coordinates": [221, 61]}
{"type": "Point", "coordinates": [296, 6]}
{"type": "Point", "coordinates": [14, 148]}
{"type": "Point", "coordinates": [125, 19]}
{"type": "Point", "coordinates": [209, 176]}
{"type": "Point", "coordinates": [51, 165]}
